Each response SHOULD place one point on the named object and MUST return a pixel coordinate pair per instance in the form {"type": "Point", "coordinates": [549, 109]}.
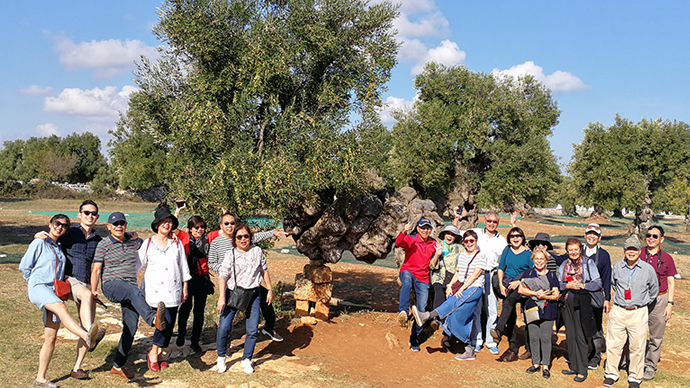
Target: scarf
{"type": "Point", "coordinates": [573, 271]}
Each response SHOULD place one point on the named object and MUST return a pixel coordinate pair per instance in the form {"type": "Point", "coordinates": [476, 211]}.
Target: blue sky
{"type": "Point", "coordinates": [67, 66]}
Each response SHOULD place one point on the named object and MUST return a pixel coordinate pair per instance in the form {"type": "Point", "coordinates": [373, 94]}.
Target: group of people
{"type": "Point", "coordinates": [468, 271]}
{"type": "Point", "coordinates": [69, 262]}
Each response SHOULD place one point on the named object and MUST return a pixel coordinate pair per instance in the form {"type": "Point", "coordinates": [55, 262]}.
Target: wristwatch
{"type": "Point", "coordinates": [671, 302]}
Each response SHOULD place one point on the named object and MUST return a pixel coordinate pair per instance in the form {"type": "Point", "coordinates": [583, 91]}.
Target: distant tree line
{"type": "Point", "coordinates": [76, 158]}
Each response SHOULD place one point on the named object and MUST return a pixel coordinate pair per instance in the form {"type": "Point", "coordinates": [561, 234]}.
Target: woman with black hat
{"type": "Point", "coordinates": [165, 279]}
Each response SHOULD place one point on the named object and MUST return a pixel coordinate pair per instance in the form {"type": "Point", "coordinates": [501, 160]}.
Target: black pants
{"type": "Point", "coordinates": [267, 311]}
{"type": "Point", "coordinates": [196, 299]}
{"type": "Point", "coordinates": [508, 319]}
{"type": "Point", "coordinates": [575, 335]}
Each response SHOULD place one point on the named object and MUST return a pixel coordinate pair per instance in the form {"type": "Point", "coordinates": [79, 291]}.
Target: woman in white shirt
{"type": "Point", "coordinates": [165, 279]}
{"type": "Point", "coordinates": [457, 312]}
{"type": "Point", "coordinates": [244, 266]}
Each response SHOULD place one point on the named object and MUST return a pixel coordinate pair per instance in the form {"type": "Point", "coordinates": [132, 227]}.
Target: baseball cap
{"type": "Point", "coordinates": [632, 242]}
{"type": "Point", "coordinates": [115, 217]}
{"type": "Point", "coordinates": [593, 228]}
{"type": "Point", "coordinates": [423, 222]}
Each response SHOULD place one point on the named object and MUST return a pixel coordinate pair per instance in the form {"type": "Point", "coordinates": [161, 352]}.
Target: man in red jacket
{"type": "Point", "coordinates": [415, 271]}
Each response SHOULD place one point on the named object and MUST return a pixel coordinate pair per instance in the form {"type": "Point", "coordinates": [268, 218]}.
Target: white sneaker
{"type": "Point", "coordinates": [220, 365]}
{"type": "Point", "coordinates": [246, 365]}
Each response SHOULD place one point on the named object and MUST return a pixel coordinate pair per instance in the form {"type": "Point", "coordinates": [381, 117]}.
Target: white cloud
{"type": "Point", "coordinates": [411, 5]}
{"type": "Point", "coordinates": [35, 90]}
{"type": "Point", "coordinates": [95, 104]}
{"type": "Point", "coordinates": [559, 81]}
{"type": "Point", "coordinates": [430, 24]}
{"type": "Point", "coordinates": [391, 104]}
{"type": "Point", "coordinates": [108, 58]}
{"type": "Point", "coordinates": [47, 129]}
{"type": "Point", "coordinates": [447, 53]}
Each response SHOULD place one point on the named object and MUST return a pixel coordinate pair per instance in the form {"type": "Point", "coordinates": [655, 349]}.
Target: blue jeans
{"type": "Point", "coordinates": [457, 313]}
{"type": "Point", "coordinates": [421, 289]}
{"type": "Point", "coordinates": [251, 325]}
{"type": "Point", "coordinates": [162, 338]}
{"type": "Point", "coordinates": [133, 305]}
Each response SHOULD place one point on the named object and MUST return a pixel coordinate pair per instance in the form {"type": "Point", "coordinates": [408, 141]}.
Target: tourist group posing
{"type": "Point", "coordinates": [69, 262]}
{"type": "Point", "coordinates": [461, 277]}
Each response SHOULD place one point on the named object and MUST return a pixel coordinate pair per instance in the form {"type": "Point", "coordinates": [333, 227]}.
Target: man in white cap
{"type": "Point", "coordinates": [635, 287]}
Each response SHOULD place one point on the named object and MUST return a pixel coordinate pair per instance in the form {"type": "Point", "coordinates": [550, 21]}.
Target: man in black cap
{"type": "Point", "coordinates": [115, 263]}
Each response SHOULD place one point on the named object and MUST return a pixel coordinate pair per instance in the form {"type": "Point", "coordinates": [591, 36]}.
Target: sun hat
{"type": "Point", "coordinates": [541, 238]}
{"type": "Point", "coordinates": [450, 229]}
{"type": "Point", "coordinates": [159, 215]}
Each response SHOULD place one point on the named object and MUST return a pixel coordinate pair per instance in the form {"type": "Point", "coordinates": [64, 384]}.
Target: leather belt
{"type": "Point", "coordinates": [662, 293]}
{"type": "Point", "coordinates": [630, 308]}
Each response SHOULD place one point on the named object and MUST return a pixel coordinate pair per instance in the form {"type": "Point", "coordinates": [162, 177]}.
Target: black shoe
{"type": "Point", "coordinates": [532, 369]}
{"type": "Point", "coordinates": [568, 372]}
{"type": "Point", "coordinates": [579, 379]}
{"type": "Point", "coordinates": [633, 384]}
{"type": "Point", "coordinates": [545, 374]}
{"type": "Point", "coordinates": [180, 339]}
{"type": "Point", "coordinates": [608, 382]}
{"type": "Point", "coordinates": [195, 348]}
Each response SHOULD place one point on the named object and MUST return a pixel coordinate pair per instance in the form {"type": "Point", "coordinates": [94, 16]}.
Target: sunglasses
{"type": "Point", "coordinates": [654, 236]}
{"type": "Point", "coordinates": [58, 224]}
{"type": "Point", "coordinates": [516, 236]}
{"type": "Point", "coordinates": [119, 223]}
{"type": "Point", "coordinates": [492, 221]}
{"type": "Point", "coordinates": [469, 240]}
{"type": "Point", "coordinates": [229, 223]}
{"type": "Point", "coordinates": [242, 236]}
{"type": "Point", "coordinates": [594, 228]}
{"type": "Point", "coordinates": [90, 213]}
{"type": "Point", "coordinates": [199, 227]}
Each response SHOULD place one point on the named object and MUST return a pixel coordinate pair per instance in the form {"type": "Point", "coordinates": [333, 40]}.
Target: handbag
{"type": "Point", "coordinates": [458, 284]}
{"type": "Point", "coordinates": [240, 297]}
{"type": "Point", "coordinates": [596, 297]}
{"type": "Point", "coordinates": [532, 314]}
{"type": "Point", "coordinates": [61, 287]}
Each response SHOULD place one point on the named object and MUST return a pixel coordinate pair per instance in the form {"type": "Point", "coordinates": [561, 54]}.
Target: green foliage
{"type": "Point", "coordinates": [74, 159]}
{"type": "Point", "coordinates": [258, 104]}
{"type": "Point", "coordinates": [619, 166]}
{"type": "Point", "coordinates": [471, 127]}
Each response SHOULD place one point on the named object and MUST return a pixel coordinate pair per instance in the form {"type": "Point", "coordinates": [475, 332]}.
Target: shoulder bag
{"type": "Point", "coordinates": [458, 284]}
{"type": "Point", "coordinates": [596, 297]}
{"type": "Point", "coordinates": [62, 288]}
{"type": "Point", "coordinates": [240, 297]}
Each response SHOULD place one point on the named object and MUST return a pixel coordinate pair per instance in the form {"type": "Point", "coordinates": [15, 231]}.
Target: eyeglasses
{"type": "Point", "coordinates": [425, 228]}
{"type": "Point", "coordinates": [242, 236]}
{"type": "Point", "coordinates": [58, 224]}
{"type": "Point", "coordinates": [469, 240]}
{"type": "Point", "coordinates": [119, 223]}
{"type": "Point", "coordinates": [491, 221]}
{"type": "Point", "coordinates": [199, 227]}
{"type": "Point", "coordinates": [516, 236]}
{"type": "Point", "coordinates": [89, 213]}
{"type": "Point", "coordinates": [654, 236]}
{"type": "Point", "coordinates": [594, 227]}
{"type": "Point", "coordinates": [229, 223]}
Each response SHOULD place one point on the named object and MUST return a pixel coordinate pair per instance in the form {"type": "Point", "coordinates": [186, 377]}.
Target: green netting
{"type": "Point", "coordinates": [10, 258]}
{"type": "Point", "coordinates": [143, 220]}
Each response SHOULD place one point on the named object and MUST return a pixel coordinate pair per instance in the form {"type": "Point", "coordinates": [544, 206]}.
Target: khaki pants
{"type": "Point", "coordinates": [657, 326]}
{"type": "Point", "coordinates": [630, 325]}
